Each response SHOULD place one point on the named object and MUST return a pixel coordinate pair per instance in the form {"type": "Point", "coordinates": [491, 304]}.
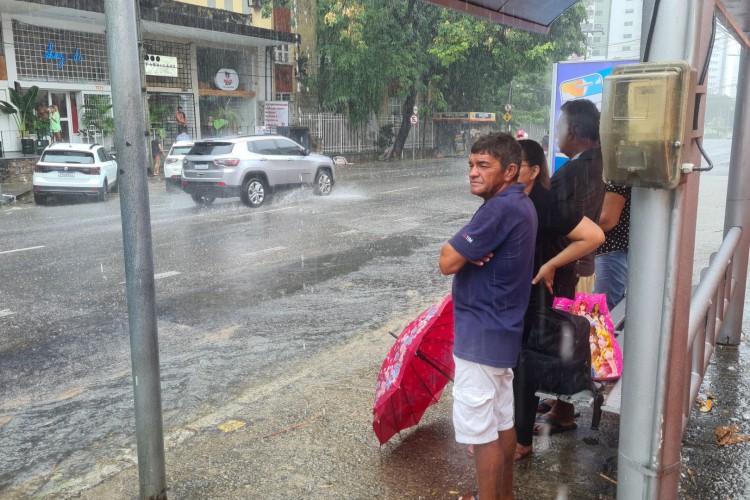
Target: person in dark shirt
{"type": "Point", "coordinates": [492, 260]}
{"type": "Point", "coordinates": [580, 183]}
{"type": "Point", "coordinates": [563, 236]}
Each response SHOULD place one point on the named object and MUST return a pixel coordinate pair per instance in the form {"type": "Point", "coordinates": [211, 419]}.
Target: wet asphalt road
{"type": "Point", "coordinates": [241, 294]}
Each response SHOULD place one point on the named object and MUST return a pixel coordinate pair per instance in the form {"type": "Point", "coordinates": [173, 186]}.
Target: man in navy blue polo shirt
{"type": "Point", "coordinates": [492, 259]}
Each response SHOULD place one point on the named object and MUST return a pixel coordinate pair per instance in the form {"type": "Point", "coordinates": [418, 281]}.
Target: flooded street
{"type": "Point", "coordinates": [240, 293]}
{"type": "Point", "coordinates": [276, 318]}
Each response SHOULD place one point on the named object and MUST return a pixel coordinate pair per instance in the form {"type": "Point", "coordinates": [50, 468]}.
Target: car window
{"type": "Point", "coordinates": [102, 155]}
{"type": "Point", "coordinates": [287, 147]}
{"type": "Point", "coordinates": [180, 150]}
{"type": "Point", "coordinates": [67, 157]}
{"type": "Point", "coordinates": [212, 148]}
{"type": "Point", "coordinates": [263, 147]}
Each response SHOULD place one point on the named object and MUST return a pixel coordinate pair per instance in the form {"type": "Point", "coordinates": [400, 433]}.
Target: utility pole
{"type": "Point", "coordinates": [122, 27]}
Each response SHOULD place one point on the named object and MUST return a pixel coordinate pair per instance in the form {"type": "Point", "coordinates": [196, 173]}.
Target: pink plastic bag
{"type": "Point", "coordinates": [606, 356]}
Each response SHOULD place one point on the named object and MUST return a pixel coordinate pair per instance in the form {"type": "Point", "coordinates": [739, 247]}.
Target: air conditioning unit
{"type": "Point", "coordinates": [255, 4]}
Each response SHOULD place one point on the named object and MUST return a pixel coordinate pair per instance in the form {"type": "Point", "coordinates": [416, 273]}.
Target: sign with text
{"type": "Point", "coordinates": [53, 54]}
{"type": "Point", "coordinates": [276, 114]}
{"type": "Point", "coordinates": [157, 65]}
{"type": "Point", "coordinates": [227, 79]}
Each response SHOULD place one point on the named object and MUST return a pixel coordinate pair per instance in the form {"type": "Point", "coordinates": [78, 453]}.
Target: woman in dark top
{"type": "Point", "coordinates": [564, 235]}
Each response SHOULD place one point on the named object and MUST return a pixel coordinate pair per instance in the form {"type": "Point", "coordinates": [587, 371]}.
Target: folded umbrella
{"type": "Point", "coordinates": [415, 371]}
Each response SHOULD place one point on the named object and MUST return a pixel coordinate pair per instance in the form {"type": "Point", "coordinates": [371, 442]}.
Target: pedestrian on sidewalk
{"type": "Point", "coordinates": [491, 258]}
{"type": "Point", "coordinates": [157, 151]}
{"type": "Point", "coordinates": [54, 124]}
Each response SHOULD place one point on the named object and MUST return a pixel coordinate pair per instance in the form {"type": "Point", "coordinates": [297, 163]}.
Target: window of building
{"type": "Point", "coordinates": [598, 12]}
{"type": "Point", "coordinates": [281, 54]}
{"type": "Point", "coordinates": [394, 106]}
{"type": "Point", "coordinates": [628, 23]}
{"type": "Point", "coordinates": [627, 35]}
{"type": "Point", "coordinates": [596, 52]}
{"type": "Point", "coordinates": [626, 48]}
{"type": "Point", "coordinates": [283, 96]}
{"type": "Point", "coordinates": [629, 11]}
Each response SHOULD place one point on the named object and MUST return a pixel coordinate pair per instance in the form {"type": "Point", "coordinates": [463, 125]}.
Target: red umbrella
{"type": "Point", "coordinates": [416, 370]}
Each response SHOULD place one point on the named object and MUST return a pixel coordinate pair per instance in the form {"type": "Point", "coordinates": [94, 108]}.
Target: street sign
{"type": "Point", "coordinates": [415, 110]}
{"type": "Point", "coordinates": [414, 119]}
{"type": "Point", "coordinates": [508, 108]}
{"type": "Point", "coordinates": [507, 117]}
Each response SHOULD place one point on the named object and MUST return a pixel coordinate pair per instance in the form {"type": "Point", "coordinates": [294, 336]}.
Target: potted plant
{"type": "Point", "coordinates": [97, 117]}
{"type": "Point", "coordinates": [226, 116]}
{"type": "Point", "coordinates": [41, 128]}
{"type": "Point", "coordinates": [21, 106]}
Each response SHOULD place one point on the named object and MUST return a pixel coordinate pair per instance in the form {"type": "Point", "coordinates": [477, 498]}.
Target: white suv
{"type": "Point", "coordinates": [252, 167]}
{"type": "Point", "coordinates": [173, 163]}
{"type": "Point", "coordinates": [74, 169]}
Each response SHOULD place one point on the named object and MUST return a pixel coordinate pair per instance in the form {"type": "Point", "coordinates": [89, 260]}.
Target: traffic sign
{"type": "Point", "coordinates": [507, 117]}
{"type": "Point", "coordinates": [414, 119]}
{"type": "Point", "coordinates": [508, 107]}
{"type": "Point", "coordinates": [415, 110]}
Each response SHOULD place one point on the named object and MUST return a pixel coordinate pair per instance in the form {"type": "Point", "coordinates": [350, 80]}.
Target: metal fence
{"type": "Point", "coordinates": [332, 133]}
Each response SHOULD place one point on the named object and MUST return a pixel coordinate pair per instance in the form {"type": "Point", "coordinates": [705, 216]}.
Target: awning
{"type": "Point", "coordinates": [530, 15]}
{"type": "Point", "coordinates": [538, 15]}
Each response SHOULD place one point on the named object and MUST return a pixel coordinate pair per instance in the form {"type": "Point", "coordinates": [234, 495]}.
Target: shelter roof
{"type": "Point", "coordinates": [538, 15]}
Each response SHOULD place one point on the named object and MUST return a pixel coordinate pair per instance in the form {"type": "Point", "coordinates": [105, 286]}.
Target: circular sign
{"type": "Point", "coordinates": [415, 110]}
{"type": "Point", "coordinates": [414, 119]}
{"type": "Point", "coordinates": [507, 117]}
{"type": "Point", "coordinates": [227, 79]}
{"type": "Point", "coordinates": [508, 107]}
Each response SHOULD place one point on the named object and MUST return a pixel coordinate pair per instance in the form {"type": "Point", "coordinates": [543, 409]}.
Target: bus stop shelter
{"type": "Point", "coordinates": [676, 323]}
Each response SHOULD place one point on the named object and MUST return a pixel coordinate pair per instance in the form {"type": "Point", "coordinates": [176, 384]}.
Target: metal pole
{"type": "Point", "coordinates": [127, 105]}
{"type": "Point", "coordinates": [657, 245]}
{"type": "Point", "coordinates": [737, 211]}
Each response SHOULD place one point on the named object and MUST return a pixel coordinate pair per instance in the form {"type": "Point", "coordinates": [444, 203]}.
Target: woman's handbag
{"type": "Point", "coordinates": [556, 354]}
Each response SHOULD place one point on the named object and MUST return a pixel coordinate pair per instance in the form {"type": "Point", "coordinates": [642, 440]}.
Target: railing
{"type": "Point", "coordinates": [332, 133]}
{"type": "Point", "coordinates": [708, 307]}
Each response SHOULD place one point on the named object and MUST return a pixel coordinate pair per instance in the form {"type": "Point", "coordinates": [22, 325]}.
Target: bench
{"type": "Point", "coordinates": [612, 402]}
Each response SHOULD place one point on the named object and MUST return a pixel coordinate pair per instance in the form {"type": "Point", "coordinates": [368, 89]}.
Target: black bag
{"type": "Point", "coordinates": [557, 355]}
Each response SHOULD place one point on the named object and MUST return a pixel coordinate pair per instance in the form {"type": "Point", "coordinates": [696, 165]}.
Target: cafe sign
{"type": "Point", "coordinates": [227, 79]}
{"type": "Point", "coordinates": [157, 65]}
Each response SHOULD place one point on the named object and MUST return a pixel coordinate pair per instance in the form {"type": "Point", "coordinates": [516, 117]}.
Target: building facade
{"type": "Point", "coordinates": [214, 59]}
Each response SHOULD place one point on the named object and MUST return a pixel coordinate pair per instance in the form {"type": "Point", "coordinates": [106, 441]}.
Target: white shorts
{"type": "Point", "coordinates": [482, 401]}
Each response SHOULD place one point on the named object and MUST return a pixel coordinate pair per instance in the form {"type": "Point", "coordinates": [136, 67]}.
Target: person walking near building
{"type": "Point", "coordinates": [578, 182]}
{"type": "Point", "coordinates": [492, 258]}
{"type": "Point", "coordinates": [54, 124]}
{"type": "Point", "coordinates": [182, 124]}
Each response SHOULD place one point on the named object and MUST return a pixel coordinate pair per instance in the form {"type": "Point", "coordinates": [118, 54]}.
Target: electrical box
{"type": "Point", "coordinates": [644, 123]}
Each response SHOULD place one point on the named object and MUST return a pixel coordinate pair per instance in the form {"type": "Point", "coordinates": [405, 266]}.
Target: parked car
{"type": "Point", "coordinates": [252, 167]}
{"type": "Point", "coordinates": [74, 169]}
{"type": "Point", "coordinates": [173, 163]}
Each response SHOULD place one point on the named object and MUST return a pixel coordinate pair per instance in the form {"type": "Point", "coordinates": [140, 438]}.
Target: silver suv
{"type": "Point", "coordinates": [252, 167]}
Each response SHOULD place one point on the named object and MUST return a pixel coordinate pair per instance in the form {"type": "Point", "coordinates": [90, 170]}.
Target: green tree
{"type": "Point", "coordinates": [370, 49]}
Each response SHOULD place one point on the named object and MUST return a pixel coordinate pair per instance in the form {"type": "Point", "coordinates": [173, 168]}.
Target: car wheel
{"type": "Point", "coordinates": [202, 199]}
{"type": "Point", "coordinates": [40, 199]}
{"type": "Point", "coordinates": [253, 192]}
{"type": "Point", "coordinates": [323, 183]}
{"type": "Point", "coordinates": [103, 192]}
